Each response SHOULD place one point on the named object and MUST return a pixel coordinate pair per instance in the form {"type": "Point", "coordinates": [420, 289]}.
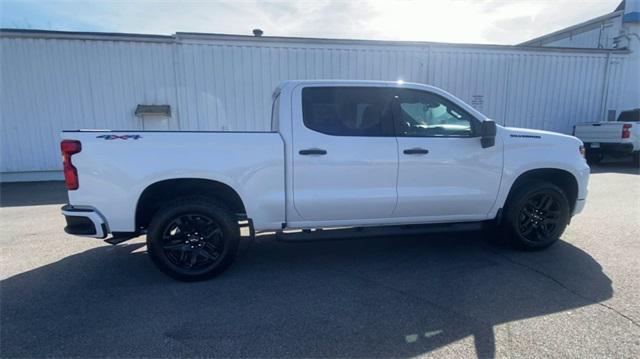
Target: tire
{"type": "Point", "coordinates": [193, 238]}
{"type": "Point", "coordinates": [594, 157]}
{"type": "Point", "coordinates": [536, 215]}
{"type": "Point", "coordinates": [636, 159]}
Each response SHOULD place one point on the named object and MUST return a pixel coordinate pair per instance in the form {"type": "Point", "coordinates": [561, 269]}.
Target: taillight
{"type": "Point", "coordinates": [69, 148]}
{"type": "Point", "coordinates": [626, 130]}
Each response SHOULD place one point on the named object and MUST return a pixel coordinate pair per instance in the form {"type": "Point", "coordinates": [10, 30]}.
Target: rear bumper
{"type": "Point", "coordinates": [86, 222]}
{"type": "Point", "coordinates": [623, 148]}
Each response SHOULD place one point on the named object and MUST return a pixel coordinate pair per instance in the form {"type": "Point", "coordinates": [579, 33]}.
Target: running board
{"type": "Point", "coordinates": [320, 234]}
{"type": "Point", "coordinates": [119, 237]}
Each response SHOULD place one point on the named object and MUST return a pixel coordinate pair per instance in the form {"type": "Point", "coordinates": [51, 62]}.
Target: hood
{"type": "Point", "coordinates": [516, 132]}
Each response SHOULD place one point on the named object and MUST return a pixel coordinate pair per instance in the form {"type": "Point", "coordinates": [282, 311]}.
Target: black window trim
{"type": "Point", "coordinates": [275, 106]}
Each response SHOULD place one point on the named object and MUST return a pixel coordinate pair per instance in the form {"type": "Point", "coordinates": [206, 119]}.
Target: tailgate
{"type": "Point", "coordinates": [599, 132]}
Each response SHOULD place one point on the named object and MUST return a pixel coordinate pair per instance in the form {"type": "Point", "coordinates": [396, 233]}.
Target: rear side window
{"type": "Point", "coordinates": [348, 111]}
{"type": "Point", "coordinates": [629, 116]}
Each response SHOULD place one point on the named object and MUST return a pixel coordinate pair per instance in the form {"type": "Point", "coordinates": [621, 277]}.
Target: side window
{"type": "Point", "coordinates": [348, 111]}
{"type": "Point", "coordinates": [423, 114]}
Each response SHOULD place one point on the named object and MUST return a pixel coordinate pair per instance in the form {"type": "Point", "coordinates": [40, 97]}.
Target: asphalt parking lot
{"type": "Point", "coordinates": [432, 295]}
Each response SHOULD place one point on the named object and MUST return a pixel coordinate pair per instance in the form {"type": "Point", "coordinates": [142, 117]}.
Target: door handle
{"type": "Point", "coordinates": [415, 151]}
{"type": "Point", "coordinates": [313, 151]}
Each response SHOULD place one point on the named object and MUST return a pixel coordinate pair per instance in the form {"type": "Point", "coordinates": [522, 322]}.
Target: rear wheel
{"type": "Point", "coordinates": [193, 238]}
{"type": "Point", "coordinates": [536, 215]}
{"type": "Point", "coordinates": [594, 157]}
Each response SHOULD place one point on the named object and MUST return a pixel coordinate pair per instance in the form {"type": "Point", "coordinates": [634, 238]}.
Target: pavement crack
{"type": "Point", "coordinates": [562, 285]}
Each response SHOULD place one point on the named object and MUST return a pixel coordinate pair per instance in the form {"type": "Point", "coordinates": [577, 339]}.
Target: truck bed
{"type": "Point", "coordinates": [124, 163]}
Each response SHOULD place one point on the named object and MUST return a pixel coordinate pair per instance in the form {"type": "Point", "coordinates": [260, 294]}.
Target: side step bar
{"type": "Point", "coordinates": [320, 234]}
{"type": "Point", "coordinates": [119, 237]}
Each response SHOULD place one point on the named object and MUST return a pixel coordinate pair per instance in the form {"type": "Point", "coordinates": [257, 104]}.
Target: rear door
{"type": "Point", "coordinates": [345, 155]}
{"type": "Point", "coordinates": [444, 173]}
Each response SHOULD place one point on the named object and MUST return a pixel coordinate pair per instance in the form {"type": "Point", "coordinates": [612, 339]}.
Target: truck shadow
{"type": "Point", "coordinates": [380, 297]}
{"type": "Point", "coordinates": [615, 166]}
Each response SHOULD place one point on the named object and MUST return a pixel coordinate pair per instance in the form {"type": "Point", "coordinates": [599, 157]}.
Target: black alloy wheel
{"type": "Point", "coordinates": [192, 241]}
{"type": "Point", "coordinates": [539, 217]}
{"type": "Point", "coordinates": [536, 215]}
{"type": "Point", "coordinates": [193, 238]}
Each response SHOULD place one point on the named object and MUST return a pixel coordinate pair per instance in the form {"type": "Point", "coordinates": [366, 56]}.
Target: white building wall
{"type": "Point", "coordinates": [537, 89]}
{"type": "Point", "coordinates": [49, 85]}
{"type": "Point", "coordinates": [544, 90]}
{"type": "Point", "coordinates": [620, 30]}
{"type": "Point", "coordinates": [225, 83]}
{"type": "Point", "coordinates": [626, 93]}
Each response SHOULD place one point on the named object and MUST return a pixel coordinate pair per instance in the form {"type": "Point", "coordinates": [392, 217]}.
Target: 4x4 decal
{"type": "Point", "coordinates": [122, 137]}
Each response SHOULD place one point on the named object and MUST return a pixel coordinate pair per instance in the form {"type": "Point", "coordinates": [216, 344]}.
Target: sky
{"type": "Point", "coordinates": [459, 21]}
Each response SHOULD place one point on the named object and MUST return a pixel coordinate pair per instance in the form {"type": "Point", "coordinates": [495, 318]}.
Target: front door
{"type": "Point", "coordinates": [444, 173]}
{"type": "Point", "coordinates": [345, 155]}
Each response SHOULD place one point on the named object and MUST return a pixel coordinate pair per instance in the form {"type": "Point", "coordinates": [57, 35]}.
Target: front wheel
{"type": "Point", "coordinates": [536, 215]}
{"type": "Point", "coordinates": [193, 238]}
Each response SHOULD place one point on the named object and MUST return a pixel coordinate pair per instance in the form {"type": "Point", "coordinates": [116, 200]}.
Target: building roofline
{"type": "Point", "coordinates": [586, 24]}
{"type": "Point", "coordinates": [82, 35]}
{"type": "Point", "coordinates": [205, 37]}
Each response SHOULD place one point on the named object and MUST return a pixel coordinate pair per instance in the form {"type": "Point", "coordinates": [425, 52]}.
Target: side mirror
{"type": "Point", "coordinates": [488, 133]}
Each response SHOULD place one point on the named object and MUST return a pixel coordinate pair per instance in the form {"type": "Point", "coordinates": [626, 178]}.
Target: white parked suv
{"type": "Point", "coordinates": [339, 154]}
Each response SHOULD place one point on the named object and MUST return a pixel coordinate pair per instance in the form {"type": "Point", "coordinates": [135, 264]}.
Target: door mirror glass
{"type": "Point", "coordinates": [488, 131]}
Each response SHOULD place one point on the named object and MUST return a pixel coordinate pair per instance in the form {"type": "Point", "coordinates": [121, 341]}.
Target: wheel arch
{"type": "Point", "coordinates": [160, 192]}
{"type": "Point", "coordinates": [564, 179]}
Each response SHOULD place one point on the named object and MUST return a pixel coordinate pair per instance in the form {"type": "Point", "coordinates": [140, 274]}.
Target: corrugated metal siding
{"type": "Point", "coordinates": [478, 77]}
{"type": "Point", "coordinates": [550, 90]}
{"type": "Point", "coordinates": [554, 92]}
{"type": "Point", "coordinates": [51, 84]}
{"type": "Point", "coordinates": [229, 86]}
{"type": "Point", "coordinates": [623, 90]}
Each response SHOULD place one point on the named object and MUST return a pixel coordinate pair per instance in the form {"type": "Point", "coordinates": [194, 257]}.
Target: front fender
{"type": "Point", "coordinates": [545, 151]}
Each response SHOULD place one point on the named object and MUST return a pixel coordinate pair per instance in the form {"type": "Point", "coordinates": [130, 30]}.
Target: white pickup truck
{"type": "Point", "coordinates": [357, 154]}
{"type": "Point", "coordinates": [617, 139]}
